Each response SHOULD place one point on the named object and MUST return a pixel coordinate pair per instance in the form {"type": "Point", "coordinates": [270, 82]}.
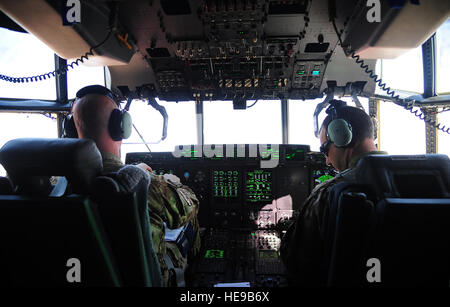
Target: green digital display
{"type": "Point", "coordinates": [322, 175]}
{"type": "Point", "coordinates": [258, 186]}
{"type": "Point", "coordinates": [214, 254]}
{"type": "Point", "coordinates": [225, 183]}
{"type": "Point", "coordinates": [324, 178]}
{"type": "Point", "coordinates": [301, 72]}
{"type": "Point", "coordinates": [294, 154]}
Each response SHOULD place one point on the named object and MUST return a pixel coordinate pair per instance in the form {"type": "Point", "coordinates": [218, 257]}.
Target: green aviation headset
{"type": "Point", "coordinates": [339, 131]}
{"type": "Point", "coordinates": [119, 124]}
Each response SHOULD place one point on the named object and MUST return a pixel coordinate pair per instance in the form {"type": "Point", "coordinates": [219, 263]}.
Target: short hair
{"type": "Point", "coordinates": [362, 125]}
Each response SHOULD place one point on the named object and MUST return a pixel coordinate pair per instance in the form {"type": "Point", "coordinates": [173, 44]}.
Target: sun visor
{"type": "Point", "coordinates": [45, 22]}
{"type": "Point", "coordinates": [379, 29]}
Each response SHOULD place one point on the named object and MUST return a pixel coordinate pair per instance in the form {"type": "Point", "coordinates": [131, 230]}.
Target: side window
{"type": "Point", "coordinates": [20, 125]}
{"type": "Point", "coordinates": [443, 85]}
{"type": "Point", "coordinates": [443, 58]}
{"type": "Point", "coordinates": [400, 131]}
{"type": "Point", "coordinates": [81, 76]}
{"type": "Point", "coordinates": [404, 73]}
{"type": "Point", "coordinates": [23, 55]}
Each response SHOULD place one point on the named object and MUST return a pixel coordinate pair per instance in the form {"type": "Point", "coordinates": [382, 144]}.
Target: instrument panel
{"type": "Point", "coordinates": [244, 207]}
{"type": "Point", "coordinates": [233, 49]}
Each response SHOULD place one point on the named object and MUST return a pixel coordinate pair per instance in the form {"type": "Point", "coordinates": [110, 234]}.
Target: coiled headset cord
{"type": "Point", "coordinates": [391, 93]}
{"type": "Point", "coordinates": [62, 70]}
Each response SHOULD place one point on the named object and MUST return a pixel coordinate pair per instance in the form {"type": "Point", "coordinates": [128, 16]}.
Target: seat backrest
{"type": "Point", "coordinates": [122, 197]}
{"type": "Point", "coordinates": [47, 241]}
{"type": "Point", "coordinates": [389, 219]}
{"type": "Point", "coordinates": [115, 205]}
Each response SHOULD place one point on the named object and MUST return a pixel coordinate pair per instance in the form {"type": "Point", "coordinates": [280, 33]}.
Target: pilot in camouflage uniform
{"type": "Point", "coordinates": [170, 203]}
{"type": "Point", "coordinates": [303, 246]}
{"type": "Point", "coordinates": [346, 135]}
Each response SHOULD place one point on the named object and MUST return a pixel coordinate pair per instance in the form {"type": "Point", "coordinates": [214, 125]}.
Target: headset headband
{"type": "Point", "coordinates": [334, 106]}
{"type": "Point", "coordinates": [95, 89]}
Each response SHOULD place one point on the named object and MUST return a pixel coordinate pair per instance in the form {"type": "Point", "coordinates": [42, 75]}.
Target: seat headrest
{"type": "Point", "coordinates": [27, 159]}
{"type": "Point", "coordinates": [406, 176]}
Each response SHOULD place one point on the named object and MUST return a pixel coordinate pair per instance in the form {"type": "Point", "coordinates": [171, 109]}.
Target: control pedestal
{"type": "Point", "coordinates": [237, 256]}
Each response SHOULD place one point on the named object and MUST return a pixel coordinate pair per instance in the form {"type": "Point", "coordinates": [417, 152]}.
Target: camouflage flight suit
{"type": "Point", "coordinates": [171, 203]}
{"type": "Point", "coordinates": [303, 245]}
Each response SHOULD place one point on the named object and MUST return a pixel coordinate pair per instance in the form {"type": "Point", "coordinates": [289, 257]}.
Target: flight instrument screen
{"type": "Point", "coordinates": [258, 186]}
{"type": "Point", "coordinates": [225, 183]}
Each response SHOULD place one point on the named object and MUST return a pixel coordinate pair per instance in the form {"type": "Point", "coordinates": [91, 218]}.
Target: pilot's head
{"type": "Point", "coordinates": [345, 133]}
{"type": "Point", "coordinates": [92, 112]}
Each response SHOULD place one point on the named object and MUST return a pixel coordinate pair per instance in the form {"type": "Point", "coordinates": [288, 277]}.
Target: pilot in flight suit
{"type": "Point", "coordinates": [346, 136]}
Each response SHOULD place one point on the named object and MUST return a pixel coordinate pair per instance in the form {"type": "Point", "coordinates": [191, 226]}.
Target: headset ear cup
{"type": "Point", "coordinates": [127, 125]}
{"type": "Point", "coordinates": [115, 125]}
{"type": "Point", "coordinates": [68, 127]}
{"type": "Point", "coordinates": [120, 125]}
{"type": "Point", "coordinates": [340, 132]}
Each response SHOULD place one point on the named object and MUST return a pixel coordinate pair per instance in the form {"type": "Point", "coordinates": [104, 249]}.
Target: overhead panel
{"type": "Point", "coordinates": [233, 49]}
